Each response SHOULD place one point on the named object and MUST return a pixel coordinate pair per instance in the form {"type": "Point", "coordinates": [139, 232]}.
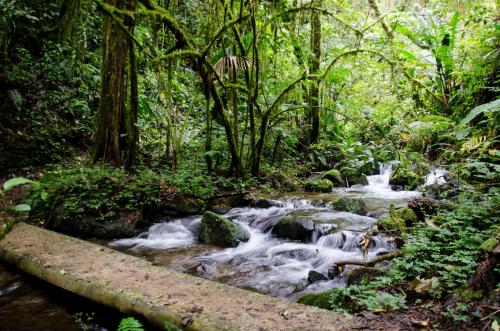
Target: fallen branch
{"type": "Point", "coordinates": [370, 263]}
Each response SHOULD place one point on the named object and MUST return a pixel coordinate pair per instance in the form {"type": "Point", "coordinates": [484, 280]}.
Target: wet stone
{"type": "Point", "coordinates": [314, 277]}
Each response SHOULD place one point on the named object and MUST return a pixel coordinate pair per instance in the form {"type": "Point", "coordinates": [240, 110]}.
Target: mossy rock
{"type": "Point", "coordinates": [407, 179]}
{"type": "Point", "coordinates": [354, 176]}
{"type": "Point", "coordinates": [355, 206]}
{"type": "Point", "coordinates": [321, 300]}
{"type": "Point", "coordinates": [121, 225]}
{"type": "Point", "coordinates": [291, 227]}
{"type": "Point", "coordinates": [334, 176]}
{"type": "Point", "coordinates": [362, 274]}
{"type": "Point", "coordinates": [408, 215]}
{"type": "Point", "coordinates": [393, 222]}
{"type": "Point", "coordinates": [219, 231]}
{"type": "Point", "coordinates": [491, 245]}
{"type": "Point", "coordinates": [319, 185]}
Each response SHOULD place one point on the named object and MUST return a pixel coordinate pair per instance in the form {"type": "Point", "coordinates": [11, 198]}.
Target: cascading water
{"type": "Point", "coordinates": [378, 185]}
{"type": "Point", "coordinates": [436, 176]}
{"type": "Point", "coordinates": [266, 263]}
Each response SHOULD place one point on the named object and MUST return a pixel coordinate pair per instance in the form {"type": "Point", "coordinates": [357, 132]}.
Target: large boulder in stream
{"type": "Point", "coordinates": [333, 176]}
{"type": "Point", "coordinates": [220, 231]}
{"type": "Point", "coordinates": [294, 227]}
{"type": "Point", "coordinates": [319, 185]}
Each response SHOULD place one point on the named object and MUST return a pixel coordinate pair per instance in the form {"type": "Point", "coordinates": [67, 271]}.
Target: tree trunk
{"type": "Point", "coordinates": [314, 63]}
{"type": "Point", "coordinates": [116, 136]}
{"type": "Point", "coordinates": [68, 15]}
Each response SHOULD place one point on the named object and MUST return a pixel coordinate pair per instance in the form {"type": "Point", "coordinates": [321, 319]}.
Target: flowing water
{"type": "Point", "coordinates": [268, 264]}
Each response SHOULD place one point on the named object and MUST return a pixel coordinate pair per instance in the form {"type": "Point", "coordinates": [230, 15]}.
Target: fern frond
{"type": "Point", "coordinates": [130, 324]}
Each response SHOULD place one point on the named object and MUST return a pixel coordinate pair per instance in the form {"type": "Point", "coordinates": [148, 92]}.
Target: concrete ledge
{"type": "Point", "coordinates": [132, 285]}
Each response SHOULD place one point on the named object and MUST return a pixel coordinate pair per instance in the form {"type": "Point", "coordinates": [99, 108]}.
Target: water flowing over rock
{"type": "Point", "coordinates": [276, 261]}
{"type": "Point", "coordinates": [217, 230]}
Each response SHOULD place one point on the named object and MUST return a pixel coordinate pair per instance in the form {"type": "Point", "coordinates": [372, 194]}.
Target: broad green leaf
{"type": "Point", "coordinates": [491, 106]}
{"type": "Point", "coordinates": [495, 326]}
{"type": "Point", "coordinates": [22, 208]}
{"type": "Point", "coordinates": [16, 182]}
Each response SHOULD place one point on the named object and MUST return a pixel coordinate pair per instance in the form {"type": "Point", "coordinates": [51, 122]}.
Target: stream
{"type": "Point", "coordinates": [271, 265]}
{"type": "Point", "coordinates": [265, 263]}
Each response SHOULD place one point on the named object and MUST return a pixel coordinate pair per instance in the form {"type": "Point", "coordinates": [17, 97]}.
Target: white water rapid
{"type": "Point", "coordinates": [268, 264]}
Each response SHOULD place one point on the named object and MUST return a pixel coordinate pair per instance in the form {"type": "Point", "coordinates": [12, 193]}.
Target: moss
{"type": "Point", "coordinates": [334, 176]}
{"type": "Point", "coordinates": [408, 215]}
{"type": "Point", "coordinates": [290, 227]}
{"type": "Point", "coordinates": [319, 185]}
{"type": "Point", "coordinates": [6, 227]}
{"type": "Point", "coordinates": [321, 300]}
{"type": "Point", "coordinates": [490, 245]}
{"type": "Point", "coordinates": [407, 179]}
{"type": "Point", "coordinates": [392, 222]}
{"type": "Point", "coordinates": [355, 206]}
{"type": "Point", "coordinates": [220, 231]}
{"type": "Point", "coordinates": [363, 274]}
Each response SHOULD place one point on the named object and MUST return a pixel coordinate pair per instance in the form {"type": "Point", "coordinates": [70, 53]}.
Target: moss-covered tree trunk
{"type": "Point", "coordinates": [68, 16]}
{"type": "Point", "coordinates": [314, 104]}
{"type": "Point", "coordinates": [116, 136]}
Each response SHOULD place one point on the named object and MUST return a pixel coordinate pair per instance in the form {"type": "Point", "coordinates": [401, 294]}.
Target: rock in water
{"type": "Point", "coordinates": [219, 231]}
{"type": "Point", "coordinates": [314, 277]}
{"type": "Point", "coordinates": [294, 228]}
{"type": "Point", "coordinates": [319, 185]}
{"type": "Point", "coordinates": [333, 272]}
{"type": "Point", "coordinates": [355, 206]}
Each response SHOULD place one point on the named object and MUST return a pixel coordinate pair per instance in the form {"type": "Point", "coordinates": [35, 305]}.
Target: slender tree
{"type": "Point", "coordinates": [116, 135]}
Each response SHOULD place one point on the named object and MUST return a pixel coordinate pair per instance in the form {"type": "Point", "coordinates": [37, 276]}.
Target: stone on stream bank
{"type": "Point", "coordinates": [333, 176]}
{"type": "Point", "coordinates": [427, 206]}
{"type": "Point", "coordinates": [318, 185]}
{"type": "Point", "coordinates": [360, 274]}
{"type": "Point", "coordinates": [219, 231]}
{"type": "Point", "coordinates": [398, 220]}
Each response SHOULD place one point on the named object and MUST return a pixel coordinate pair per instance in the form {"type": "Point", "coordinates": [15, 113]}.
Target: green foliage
{"type": "Point", "coordinates": [171, 327]}
{"type": "Point", "coordinates": [445, 252]}
{"type": "Point", "coordinates": [130, 324]}
{"type": "Point", "coordinates": [493, 106]}
{"type": "Point", "coordinates": [15, 182]}
{"type": "Point", "coordinates": [10, 184]}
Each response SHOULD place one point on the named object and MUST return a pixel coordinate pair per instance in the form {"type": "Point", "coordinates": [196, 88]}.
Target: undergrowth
{"type": "Point", "coordinates": [439, 258]}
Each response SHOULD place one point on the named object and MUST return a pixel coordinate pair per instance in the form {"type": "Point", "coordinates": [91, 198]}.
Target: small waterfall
{"type": "Point", "coordinates": [333, 240]}
{"type": "Point", "coordinates": [436, 176]}
{"type": "Point", "coordinates": [380, 182]}
{"type": "Point", "coordinates": [173, 234]}
{"type": "Point", "coordinates": [378, 185]}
